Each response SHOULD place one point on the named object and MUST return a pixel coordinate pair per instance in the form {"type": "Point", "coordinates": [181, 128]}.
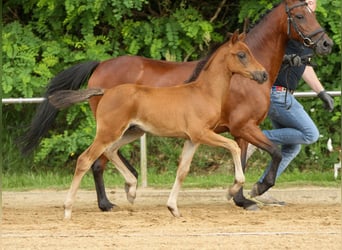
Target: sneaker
{"type": "Point", "coordinates": [250, 150]}
{"type": "Point", "coordinates": [267, 200]}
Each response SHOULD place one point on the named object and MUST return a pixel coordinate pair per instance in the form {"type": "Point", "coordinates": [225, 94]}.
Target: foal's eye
{"type": "Point", "coordinates": [241, 55]}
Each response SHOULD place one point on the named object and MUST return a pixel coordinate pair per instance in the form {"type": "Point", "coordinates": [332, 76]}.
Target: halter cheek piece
{"type": "Point", "coordinates": [307, 41]}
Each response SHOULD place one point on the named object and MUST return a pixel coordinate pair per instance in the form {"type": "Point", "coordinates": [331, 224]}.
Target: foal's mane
{"type": "Point", "coordinates": [200, 65]}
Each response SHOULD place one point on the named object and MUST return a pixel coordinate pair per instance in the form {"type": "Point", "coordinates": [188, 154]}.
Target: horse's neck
{"type": "Point", "coordinates": [268, 41]}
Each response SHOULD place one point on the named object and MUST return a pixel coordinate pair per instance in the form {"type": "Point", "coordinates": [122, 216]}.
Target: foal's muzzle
{"type": "Point", "coordinates": [260, 76]}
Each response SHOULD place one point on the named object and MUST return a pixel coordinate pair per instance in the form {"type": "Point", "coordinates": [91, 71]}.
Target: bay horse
{"type": "Point", "coordinates": [247, 106]}
{"type": "Point", "coordinates": [191, 111]}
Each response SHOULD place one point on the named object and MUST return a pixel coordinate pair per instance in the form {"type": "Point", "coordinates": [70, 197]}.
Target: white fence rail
{"type": "Point", "coordinates": [40, 99]}
{"type": "Point", "coordinates": [143, 151]}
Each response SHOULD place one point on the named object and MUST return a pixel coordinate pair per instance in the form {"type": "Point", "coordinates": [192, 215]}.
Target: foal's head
{"type": "Point", "coordinates": [239, 59]}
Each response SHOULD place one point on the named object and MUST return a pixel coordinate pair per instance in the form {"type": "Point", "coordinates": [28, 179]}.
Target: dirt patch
{"type": "Point", "coordinates": [33, 220]}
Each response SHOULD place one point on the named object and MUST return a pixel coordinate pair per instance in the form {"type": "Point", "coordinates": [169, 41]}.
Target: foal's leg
{"type": "Point", "coordinates": [100, 164]}
{"type": "Point", "coordinates": [131, 180]}
{"type": "Point", "coordinates": [84, 162]}
{"type": "Point", "coordinates": [188, 152]}
{"type": "Point", "coordinates": [98, 168]}
{"type": "Point", "coordinates": [213, 139]}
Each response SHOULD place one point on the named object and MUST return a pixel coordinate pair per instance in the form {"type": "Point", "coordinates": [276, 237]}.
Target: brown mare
{"type": "Point", "coordinates": [247, 106]}
{"type": "Point", "coordinates": [190, 111]}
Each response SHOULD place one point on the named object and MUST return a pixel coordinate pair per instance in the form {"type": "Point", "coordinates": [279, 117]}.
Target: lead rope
{"type": "Point", "coordinates": [287, 87]}
{"type": "Point", "coordinates": [286, 67]}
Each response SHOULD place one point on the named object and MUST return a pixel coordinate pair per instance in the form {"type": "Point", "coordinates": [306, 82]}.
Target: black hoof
{"type": "Point", "coordinates": [106, 206]}
{"type": "Point", "coordinates": [247, 204]}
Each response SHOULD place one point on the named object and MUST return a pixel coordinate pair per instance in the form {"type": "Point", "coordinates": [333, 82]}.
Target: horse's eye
{"type": "Point", "coordinates": [299, 16]}
{"type": "Point", "coordinates": [241, 55]}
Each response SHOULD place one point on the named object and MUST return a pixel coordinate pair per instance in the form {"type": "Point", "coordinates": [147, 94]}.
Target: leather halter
{"type": "Point", "coordinates": [307, 41]}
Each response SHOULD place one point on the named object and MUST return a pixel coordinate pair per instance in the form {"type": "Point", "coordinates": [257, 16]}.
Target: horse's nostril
{"type": "Point", "coordinates": [327, 44]}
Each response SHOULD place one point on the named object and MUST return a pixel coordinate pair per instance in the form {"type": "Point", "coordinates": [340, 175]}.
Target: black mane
{"type": "Point", "coordinates": [214, 47]}
{"type": "Point", "coordinates": [251, 26]}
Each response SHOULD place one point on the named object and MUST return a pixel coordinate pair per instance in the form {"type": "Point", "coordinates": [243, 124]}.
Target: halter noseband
{"type": "Point", "coordinates": [307, 41]}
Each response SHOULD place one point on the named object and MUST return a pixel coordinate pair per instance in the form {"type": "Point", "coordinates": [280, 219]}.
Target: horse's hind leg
{"type": "Point", "coordinates": [84, 162]}
{"type": "Point", "coordinates": [188, 152]}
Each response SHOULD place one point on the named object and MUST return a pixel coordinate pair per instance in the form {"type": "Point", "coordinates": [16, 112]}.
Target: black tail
{"type": "Point", "coordinates": [71, 78]}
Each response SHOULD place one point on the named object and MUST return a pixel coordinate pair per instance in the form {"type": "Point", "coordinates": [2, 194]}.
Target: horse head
{"type": "Point", "coordinates": [302, 25]}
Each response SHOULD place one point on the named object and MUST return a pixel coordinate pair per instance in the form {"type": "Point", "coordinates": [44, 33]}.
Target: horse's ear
{"type": "Point", "coordinates": [245, 25]}
{"type": "Point", "coordinates": [235, 37]}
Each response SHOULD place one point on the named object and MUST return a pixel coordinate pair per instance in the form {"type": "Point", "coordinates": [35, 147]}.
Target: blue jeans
{"type": "Point", "coordinates": [292, 126]}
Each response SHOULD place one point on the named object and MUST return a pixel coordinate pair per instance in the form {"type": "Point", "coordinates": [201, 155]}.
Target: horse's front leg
{"type": "Point", "coordinates": [239, 198]}
{"type": "Point", "coordinates": [254, 135]}
{"type": "Point", "coordinates": [98, 168]}
{"type": "Point", "coordinates": [188, 152]}
{"type": "Point", "coordinates": [261, 187]}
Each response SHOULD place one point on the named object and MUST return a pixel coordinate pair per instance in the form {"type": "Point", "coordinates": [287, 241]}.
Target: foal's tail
{"type": "Point", "coordinates": [65, 98]}
{"type": "Point", "coordinates": [71, 78]}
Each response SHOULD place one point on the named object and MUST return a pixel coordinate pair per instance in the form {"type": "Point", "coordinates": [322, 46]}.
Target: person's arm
{"type": "Point", "coordinates": [310, 77]}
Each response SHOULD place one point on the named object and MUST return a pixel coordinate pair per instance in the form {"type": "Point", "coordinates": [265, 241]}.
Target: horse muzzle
{"type": "Point", "coordinates": [324, 46]}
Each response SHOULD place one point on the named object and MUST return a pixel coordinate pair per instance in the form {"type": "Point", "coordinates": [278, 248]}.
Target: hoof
{"type": "Point", "coordinates": [129, 195]}
{"type": "Point", "coordinates": [252, 207]}
{"type": "Point", "coordinates": [174, 212]}
{"type": "Point", "coordinates": [130, 198]}
{"type": "Point", "coordinates": [67, 215]}
{"type": "Point", "coordinates": [106, 206]}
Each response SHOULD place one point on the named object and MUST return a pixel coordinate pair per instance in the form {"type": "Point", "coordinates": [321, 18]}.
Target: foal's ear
{"type": "Point", "coordinates": [242, 36]}
{"type": "Point", "coordinates": [235, 37]}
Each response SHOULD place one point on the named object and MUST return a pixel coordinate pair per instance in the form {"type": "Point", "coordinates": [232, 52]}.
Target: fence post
{"type": "Point", "coordinates": [143, 161]}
